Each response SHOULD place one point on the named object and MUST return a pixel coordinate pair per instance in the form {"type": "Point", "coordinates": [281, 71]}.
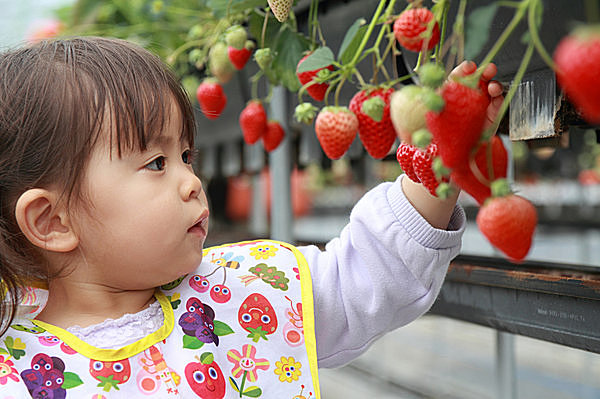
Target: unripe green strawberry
{"type": "Point", "coordinates": [336, 129]}
{"type": "Point", "coordinates": [263, 57]}
{"type": "Point", "coordinates": [236, 36]}
{"type": "Point", "coordinates": [305, 113]}
{"type": "Point", "coordinates": [219, 64]}
{"type": "Point", "coordinates": [376, 136]}
{"type": "Point", "coordinates": [577, 57]}
{"type": "Point", "coordinates": [281, 8]}
{"type": "Point", "coordinates": [253, 121]}
{"type": "Point", "coordinates": [407, 111]}
{"type": "Point", "coordinates": [508, 221]}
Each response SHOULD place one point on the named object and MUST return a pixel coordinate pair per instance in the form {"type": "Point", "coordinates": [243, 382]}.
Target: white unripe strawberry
{"type": "Point", "coordinates": [281, 8]}
{"type": "Point", "coordinates": [407, 111]}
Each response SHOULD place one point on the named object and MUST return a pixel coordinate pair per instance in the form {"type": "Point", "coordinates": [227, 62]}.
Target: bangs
{"type": "Point", "coordinates": [136, 94]}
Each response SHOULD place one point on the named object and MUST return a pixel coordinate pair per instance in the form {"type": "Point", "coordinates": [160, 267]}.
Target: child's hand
{"type": "Point", "coordinates": [494, 87]}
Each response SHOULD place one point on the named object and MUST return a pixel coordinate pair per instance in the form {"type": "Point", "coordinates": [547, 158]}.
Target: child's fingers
{"type": "Point", "coordinates": [464, 68]}
{"type": "Point", "coordinates": [489, 72]}
{"type": "Point", "coordinates": [495, 89]}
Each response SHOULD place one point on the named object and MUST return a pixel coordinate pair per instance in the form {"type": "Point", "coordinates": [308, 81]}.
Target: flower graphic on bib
{"type": "Point", "coordinates": [246, 365]}
{"type": "Point", "coordinates": [288, 369]}
{"type": "Point", "coordinates": [263, 251]}
{"type": "Point", "coordinates": [7, 371]}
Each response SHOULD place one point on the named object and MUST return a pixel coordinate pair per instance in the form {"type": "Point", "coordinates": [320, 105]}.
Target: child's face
{"type": "Point", "coordinates": [147, 216]}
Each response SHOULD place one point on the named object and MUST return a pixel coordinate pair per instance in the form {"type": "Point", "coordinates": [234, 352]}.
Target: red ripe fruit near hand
{"type": "Point", "coordinates": [577, 57]}
{"type": "Point", "coordinates": [317, 90]}
{"type": "Point", "coordinates": [212, 98]}
{"type": "Point", "coordinates": [465, 178]}
{"type": "Point", "coordinates": [336, 129]}
{"type": "Point", "coordinates": [458, 127]}
{"type": "Point", "coordinates": [404, 155]}
{"type": "Point", "coordinates": [273, 135]}
{"type": "Point", "coordinates": [253, 121]}
{"type": "Point", "coordinates": [410, 29]}
{"type": "Point", "coordinates": [376, 137]}
{"type": "Point", "coordinates": [508, 223]}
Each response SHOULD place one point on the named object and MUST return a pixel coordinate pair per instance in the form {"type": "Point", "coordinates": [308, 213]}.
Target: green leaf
{"type": "Point", "coordinates": [207, 358]}
{"type": "Point", "coordinates": [478, 28]}
{"type": "Point", "coordinates": [190, 342]}
{"type": "Point", "coordinates": [71, 380]}
{"type": "Point", "coordinates": [320, 58]}
{"type": "Point", "coordinates": [289, 48]}
{"type": "Point", "coordinates": [3, 351]}
{"type": "Point", "coordinates": [253, 392]}
{"type": "Point", "coordinates": [221, 8]}
{"type": "Point", "coordinates": [351, 40]}
{"type": "Point", "coordinates": [222, 328]}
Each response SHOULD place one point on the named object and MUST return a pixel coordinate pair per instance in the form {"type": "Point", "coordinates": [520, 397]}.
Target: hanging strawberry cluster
{"type": "Point", "coordinates": [447, 138]}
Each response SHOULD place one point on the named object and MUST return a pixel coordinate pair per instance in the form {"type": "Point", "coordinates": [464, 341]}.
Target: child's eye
{"type": "Point", "coordinates": [187, 157]}
{"type": "Point", "coordinates": [157, 163]}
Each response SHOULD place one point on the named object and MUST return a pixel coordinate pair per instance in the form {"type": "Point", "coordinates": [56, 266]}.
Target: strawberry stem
{"type": "Point", "coordinates": [519, 14]}
{"type": "Point", "coordinates": [535, 38]}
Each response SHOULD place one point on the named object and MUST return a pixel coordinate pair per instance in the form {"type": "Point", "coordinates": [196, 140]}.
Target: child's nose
{"type": "Point", "coordinates": [191, 186]}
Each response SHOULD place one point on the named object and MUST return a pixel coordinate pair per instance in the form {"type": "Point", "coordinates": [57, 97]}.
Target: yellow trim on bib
{"type": "Point", "coordinates": [308, 314]}
{"type": "Point", "coordinates": [111, 355]}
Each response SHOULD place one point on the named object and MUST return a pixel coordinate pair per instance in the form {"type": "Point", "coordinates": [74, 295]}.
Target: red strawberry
{"type": "Point", "coordinates": [466, 179]}
{"type": "Point", "coordinates": [404, 155]}
{"type": "Point", "coordinates": [458, 126]}
{"type": "Point", "coordinates": [239, 57]}
{"type": "Point", "coordinates": [317, 90]}
{"type": "Point", "coordinates": [423, 167]}
{"type": "Point", "coordinates": [273, 135]}
{"type": "Point", "coordinates": [377, 136]}
{"type": "Point", "coordinates": [253, 121]}
{"type": "Point", "coordinates": [508, 222]}
{"type": "Point", "coordinates": [211, 97]}
{"type": "Point", "coordinates": [336, 128]}
{"type": "Point", "coordinates": [577, 57]}
{"type": "Point", "coordinates": [410, 29]}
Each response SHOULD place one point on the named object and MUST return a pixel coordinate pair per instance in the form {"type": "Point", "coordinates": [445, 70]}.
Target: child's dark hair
{"type": "Point", "coordinates": [56, 97]}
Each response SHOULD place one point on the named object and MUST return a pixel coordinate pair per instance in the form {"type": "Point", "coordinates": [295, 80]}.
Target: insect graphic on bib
{"type": "Point", "coordinates": [156, 371]}
{"type": "Point", "coordinates": [293, 330]}
{"type": "Point", "coordinates": [303, 397]}
{"type": "Point", "coordinates": [220, 293]}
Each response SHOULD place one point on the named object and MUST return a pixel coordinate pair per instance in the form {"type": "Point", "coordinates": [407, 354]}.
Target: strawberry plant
{"type": "Point", "coordinates": [439, 96]}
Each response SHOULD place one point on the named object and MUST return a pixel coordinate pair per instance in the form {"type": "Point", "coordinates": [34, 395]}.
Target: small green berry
{"type": "Point", "coordinates": [432, 75]}
{"type": "Point", "coordinates": [305, 113]}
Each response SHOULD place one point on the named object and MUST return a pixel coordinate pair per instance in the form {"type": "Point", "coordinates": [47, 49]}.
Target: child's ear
{"type": "Point", "coordinates": [43, 222]}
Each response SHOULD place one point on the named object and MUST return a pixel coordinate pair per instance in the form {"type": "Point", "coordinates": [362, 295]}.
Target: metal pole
{"type": "Point", "coordinates": [279, 162]}
{"type": "Point", "coordinates": [506, 366]}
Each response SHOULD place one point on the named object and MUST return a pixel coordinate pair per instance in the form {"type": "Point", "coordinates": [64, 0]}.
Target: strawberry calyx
{"type": "Point", "coordinates": [374, 107]}
{"type": "Point", "coordinates": [500, 188]}
{"type": "Point", "coordinates": [431, 75]}
{"type": "Point", "coordinates": [421, 138]}
{"type": "Point", "coordinates": [432, 100]}
{"type": "Point", "coordinates": [586, 32]}
{"type": "Point", "coordinates": [444, 190]}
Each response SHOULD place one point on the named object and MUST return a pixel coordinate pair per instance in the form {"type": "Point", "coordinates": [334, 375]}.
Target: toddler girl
{"type": "Point", "coordinates": [109, 292]}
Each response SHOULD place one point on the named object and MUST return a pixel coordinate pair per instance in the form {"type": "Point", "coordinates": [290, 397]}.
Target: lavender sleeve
{"type": "Point", "coordinates": [384, 270]}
